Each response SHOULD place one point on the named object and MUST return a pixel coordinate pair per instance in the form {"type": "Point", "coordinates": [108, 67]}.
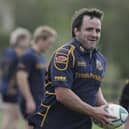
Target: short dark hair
{"type": "Point", "coordinates": [78, 17]}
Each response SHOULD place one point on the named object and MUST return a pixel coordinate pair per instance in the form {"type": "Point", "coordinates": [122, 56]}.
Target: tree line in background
{"type": "Point", "coordinates": [58, 13]}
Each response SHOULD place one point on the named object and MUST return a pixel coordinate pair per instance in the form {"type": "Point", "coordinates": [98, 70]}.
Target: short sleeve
{"type": "Point", "coordinates": [26, 62]}
{"type": "Point", "coordinates": [8, 65]}
{"type": "Point", "coordinates": [61, 70]}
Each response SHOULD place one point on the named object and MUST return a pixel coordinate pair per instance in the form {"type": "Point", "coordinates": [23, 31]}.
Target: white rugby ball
{"type": "Point", "coordinates": [117, 111]}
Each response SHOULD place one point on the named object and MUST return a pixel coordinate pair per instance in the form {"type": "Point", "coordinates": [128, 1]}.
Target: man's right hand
{"type": "Point", "coordinates": [101, 115]}
{"type": "Point", "coordinates": [30, 106]}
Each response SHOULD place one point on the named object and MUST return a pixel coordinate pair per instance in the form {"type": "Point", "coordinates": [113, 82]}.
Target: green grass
{"type": "Point", "coordinates": [96, 127]}
{"type": "Point", "coordinates": [22, 124]}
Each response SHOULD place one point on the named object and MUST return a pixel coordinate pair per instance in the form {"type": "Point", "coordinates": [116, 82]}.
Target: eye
{"type": "Point", "coordinates": [98, 30]}
{"type": "Point", "coordinates": [89, 29]}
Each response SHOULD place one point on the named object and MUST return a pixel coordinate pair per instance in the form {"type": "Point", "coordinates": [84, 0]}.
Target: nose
{"type": "Point", "coordinates": [94, 33]}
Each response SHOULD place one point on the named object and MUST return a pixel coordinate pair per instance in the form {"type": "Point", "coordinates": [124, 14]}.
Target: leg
{"type": "Point", "coordinates": [16, 115]}
{"type": "Point", "coordinates": [11, 116]}
{"type": "Point", "coordinates": [29, 126]}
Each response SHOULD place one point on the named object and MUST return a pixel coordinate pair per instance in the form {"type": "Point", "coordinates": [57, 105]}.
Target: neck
{"type": "Point", "coordinates": [18, 51]}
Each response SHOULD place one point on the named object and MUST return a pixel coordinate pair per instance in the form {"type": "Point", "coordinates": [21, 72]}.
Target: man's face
{"type": "Point", "coordinates": [24, 43]}
{"type": "Point", "coordinates": [46, 44]}
{"type": "Point", "coordinates": [89, 32]}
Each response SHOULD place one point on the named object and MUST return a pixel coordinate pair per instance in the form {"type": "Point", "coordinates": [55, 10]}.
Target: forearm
{"type": "Point", "coordinates": [24, 85]}
{"type": "Point", "coordinates": [100, 98]}
{"type": "Point", "coordinates": [71, 100]}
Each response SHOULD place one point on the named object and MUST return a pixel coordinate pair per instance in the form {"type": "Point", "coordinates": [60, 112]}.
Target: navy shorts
{"type": "Point", "coordinates": [23, 109]}
{"type": "Point", "coordinates": [27, 117]}
{"type": "Point", "coordinates": [7, 98]}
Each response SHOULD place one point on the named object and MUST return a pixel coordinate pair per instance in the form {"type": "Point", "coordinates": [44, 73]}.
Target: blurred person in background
{"type": "Point", "coordinates": [31, 71]}
{"type": "Point", "coordinates": [19, 41]}
{"type": "Point", "coordinates": [124, 100]}
{"type": "Point", "coordinates": [72, 93]}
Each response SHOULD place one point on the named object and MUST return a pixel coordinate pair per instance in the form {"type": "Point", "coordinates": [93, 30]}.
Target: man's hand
{"type": "Point", "coordinates": [30, 106]}
{"type": "Point", "coordinates": [101, 115]}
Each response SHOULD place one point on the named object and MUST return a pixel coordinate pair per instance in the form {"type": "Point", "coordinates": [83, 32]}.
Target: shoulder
{"type": "Point", "coordinates": [63, 57]}
{"type": "Point", "coordinates": [9, 51]}
{"type": "Point", "coordinates": [101, 56]}
{"type": "Point", "coordinates": [9, 54]}
{"type": "Point", "coordinates": [27, 57]}
{"type": "Point", "coordinates": [28, 54]}
{"type": "Point", "coordinates": [66, 49]}
{"type": "Point", "coordinates": [65, 52]}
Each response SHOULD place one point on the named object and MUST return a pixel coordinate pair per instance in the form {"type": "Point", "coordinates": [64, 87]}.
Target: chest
{"type": "Point", "coordinates": [39, 65]}
{"type": "Point", "coordinates": [87, 66]}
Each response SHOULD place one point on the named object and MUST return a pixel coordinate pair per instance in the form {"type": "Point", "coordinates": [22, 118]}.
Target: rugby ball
{"type": "Point", "coordinates": [117, 111]}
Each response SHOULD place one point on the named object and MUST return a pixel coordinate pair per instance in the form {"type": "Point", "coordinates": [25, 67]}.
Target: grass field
{"type": "Point", "coordinates": [22, 124]}
{"type": "Point", "coordinates": [96, 127]}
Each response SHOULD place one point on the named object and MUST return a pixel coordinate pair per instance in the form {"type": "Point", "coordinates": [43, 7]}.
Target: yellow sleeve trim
{"type": "Point", "coordinates": [71, 51]}
{"type": "Point", "coordinates": [45, 115]}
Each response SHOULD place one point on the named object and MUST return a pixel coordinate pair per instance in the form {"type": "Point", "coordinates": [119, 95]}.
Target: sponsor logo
{"type": "Point", "coordinates": [60, 58]}
{"type": "Point", "coordinates": [99, 65]}
{"type": "Point", "coordinates": [81, 63]}
{"type": "Point", "coordinates": [60, 78]}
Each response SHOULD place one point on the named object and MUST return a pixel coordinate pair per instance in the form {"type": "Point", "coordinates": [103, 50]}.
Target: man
{"type": "Point", "coordinates": [124, 100]}
{"type": "Point", "coordinates": [73, 79]}
{"type": "Point", "coordinates": [31, 71]}
{"type": "Point", "coordinates": [19, 41]}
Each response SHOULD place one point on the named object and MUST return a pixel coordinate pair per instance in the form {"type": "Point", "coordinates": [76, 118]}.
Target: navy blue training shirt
{"type": "Point", "coordinates": [35, 65]}
{"type": "Point", "coordinates": [81, 71]}
{"type": "Point", "coordinates": [8, 68]}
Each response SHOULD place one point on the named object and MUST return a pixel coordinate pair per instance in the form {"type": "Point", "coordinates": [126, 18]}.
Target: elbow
{"type": "Point", "coordinates": [60, 95]}
{"type": "Point", "coordinates": [60, 98]}
{"type": "Point", "coordinates": [21, 76]}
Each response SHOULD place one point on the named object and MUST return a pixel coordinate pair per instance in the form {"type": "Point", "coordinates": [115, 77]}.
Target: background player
{"type": "Point", "coordinates": [31, 71]}
{"type": "Point", "coordinates": [19, 41]}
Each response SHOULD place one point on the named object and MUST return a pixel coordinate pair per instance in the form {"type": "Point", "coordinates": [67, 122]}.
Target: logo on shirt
{"type": "Point", "coordinates": [61, 61]}
{"type": "Point", "coordinates": [99, 65]}
{"type": "Point", "coordinates": [81, 63]}
{"type": "Point", "coordinates": [88, 75]}
{"type": "Point", "coordinates": [60, 78]}
{"type": "Point", "coordinates": [60, 58]}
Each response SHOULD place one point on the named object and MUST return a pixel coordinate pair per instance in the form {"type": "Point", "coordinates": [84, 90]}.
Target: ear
{"type": "Point", "coordinates": [76, 31]}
